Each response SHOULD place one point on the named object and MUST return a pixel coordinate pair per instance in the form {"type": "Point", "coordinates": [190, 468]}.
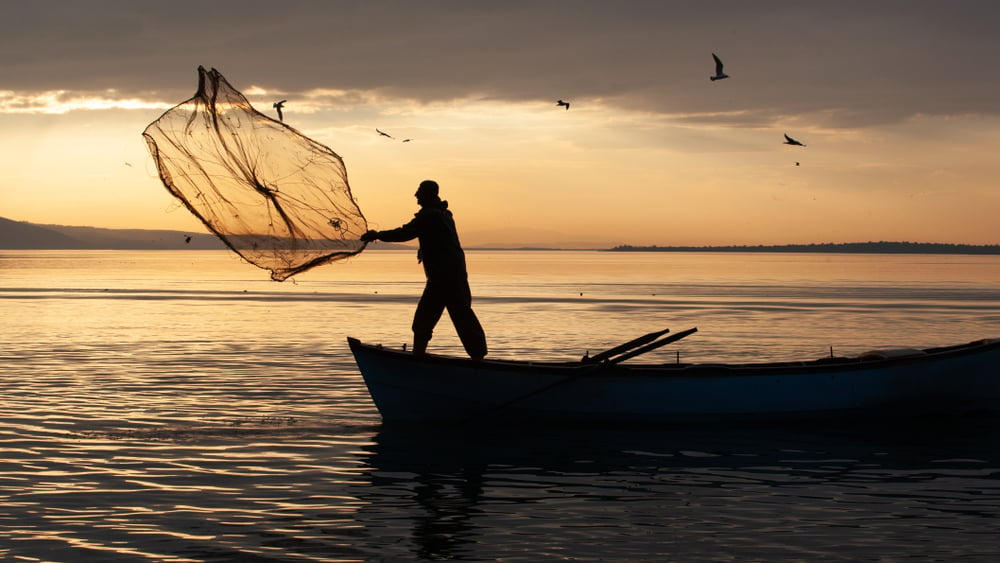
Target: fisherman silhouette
{"type": "Point", "coordinates": [443, 259]}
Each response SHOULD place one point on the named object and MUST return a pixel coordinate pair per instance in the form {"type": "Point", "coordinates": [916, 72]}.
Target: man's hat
{"type": "Point", "coordinates": [428, 187]}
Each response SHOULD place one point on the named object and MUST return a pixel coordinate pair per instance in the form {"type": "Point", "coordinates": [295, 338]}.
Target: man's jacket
{"type": "Point", "coordinates": [440, 250]}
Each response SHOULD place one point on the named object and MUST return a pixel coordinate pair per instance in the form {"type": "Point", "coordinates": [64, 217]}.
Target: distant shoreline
{"type": "Point", "coordinates": [882, 247]}
{"type": "Point", "coordinates": [21, 235]}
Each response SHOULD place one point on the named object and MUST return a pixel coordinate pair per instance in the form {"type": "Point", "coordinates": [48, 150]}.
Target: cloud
{"type": "Point", "coordinates": [62, 101]}
{"type": "Point", "coordinates": [852, 63]}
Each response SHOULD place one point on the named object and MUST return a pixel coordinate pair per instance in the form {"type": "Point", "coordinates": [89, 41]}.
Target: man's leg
{"type": "Point", "coordinates": [467, 325]}
{"type": "Point", "coordinates": [426, 317]}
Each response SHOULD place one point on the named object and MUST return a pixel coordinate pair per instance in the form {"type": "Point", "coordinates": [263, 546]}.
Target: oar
{"type": "Point", "coordinates": [672, 338]}
{"type": "Point", "coordinates": [586, 371]}
{"type": "Point", "coordinates": [627, 346]}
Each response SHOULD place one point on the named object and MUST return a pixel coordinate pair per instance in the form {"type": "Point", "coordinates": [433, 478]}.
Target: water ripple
{"type": "Point", "coordinates": [152, 417]}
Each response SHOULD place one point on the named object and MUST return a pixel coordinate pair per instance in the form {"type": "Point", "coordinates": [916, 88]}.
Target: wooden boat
{"type": "Point", "coordinates": [952, 380]}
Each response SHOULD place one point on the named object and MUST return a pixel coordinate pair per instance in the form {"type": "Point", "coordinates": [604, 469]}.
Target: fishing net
{"type": "Point", "coordinates": [274, 196]}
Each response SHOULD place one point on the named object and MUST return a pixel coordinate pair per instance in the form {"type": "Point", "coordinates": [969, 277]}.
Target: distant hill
{"type": "Point", "coordinates": [18, 235]}
{"type": "Point", "coordinates": [882, 247]}
{"type": "Point", "coordinates": [21, 235]}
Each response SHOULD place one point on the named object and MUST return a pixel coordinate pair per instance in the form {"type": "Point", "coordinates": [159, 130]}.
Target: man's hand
{"type": "Point", "coordinates": [369, 236]}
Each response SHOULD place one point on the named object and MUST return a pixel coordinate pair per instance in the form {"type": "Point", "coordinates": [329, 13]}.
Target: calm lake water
{"type": "Point", "coordinates": [180, 406]}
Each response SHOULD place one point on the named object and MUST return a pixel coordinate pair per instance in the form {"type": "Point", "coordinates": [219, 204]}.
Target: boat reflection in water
{"type": "Point", "coordinates": [925, 488]}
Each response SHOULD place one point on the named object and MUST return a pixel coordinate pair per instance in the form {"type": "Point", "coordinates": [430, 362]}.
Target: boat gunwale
{"type": "Point", "coordinates": [868, 361]}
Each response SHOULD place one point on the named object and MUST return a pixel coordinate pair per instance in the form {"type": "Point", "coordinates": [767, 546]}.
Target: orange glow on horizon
{"type": "Point", "coordinates": [526, 174]}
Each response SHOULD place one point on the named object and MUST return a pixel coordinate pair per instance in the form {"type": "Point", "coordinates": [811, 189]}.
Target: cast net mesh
{"type": "Point", "coordinates": [274, 196]}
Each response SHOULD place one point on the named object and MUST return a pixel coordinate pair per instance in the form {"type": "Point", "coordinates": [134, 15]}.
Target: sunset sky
{"type": "Point", "coordinates": [898, 103]}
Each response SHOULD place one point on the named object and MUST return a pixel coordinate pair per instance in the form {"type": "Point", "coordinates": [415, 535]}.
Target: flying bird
{"type": "Point", "coordinates": [719, 75]}
{"type": "Point", "coordinates": [562, 103]}
{"type": "Point", "coordinates": [278, 106]}
{"type": "Point", "coordinates": [187, 239]}
{"type": "Point", "coordinates": [406, 140]}
{"type": "Point", "coordinates": [384, 134]}
{"type": "Point", "coordinates": [791, 141]}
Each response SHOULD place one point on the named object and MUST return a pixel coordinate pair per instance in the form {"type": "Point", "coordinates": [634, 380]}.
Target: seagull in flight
{"type": "Point", "coordinates": [719, 75]}
{"type": "Point", "coordinates": [791, 141]}
{"type": "Point", "coordinates": [562, 103]}
{"type": "Point", "coordinates": [278, 106]}
{"type": "Point", "coordinates": [384, 134]}
{"type": "Point", "coordinates": [406, 140]}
